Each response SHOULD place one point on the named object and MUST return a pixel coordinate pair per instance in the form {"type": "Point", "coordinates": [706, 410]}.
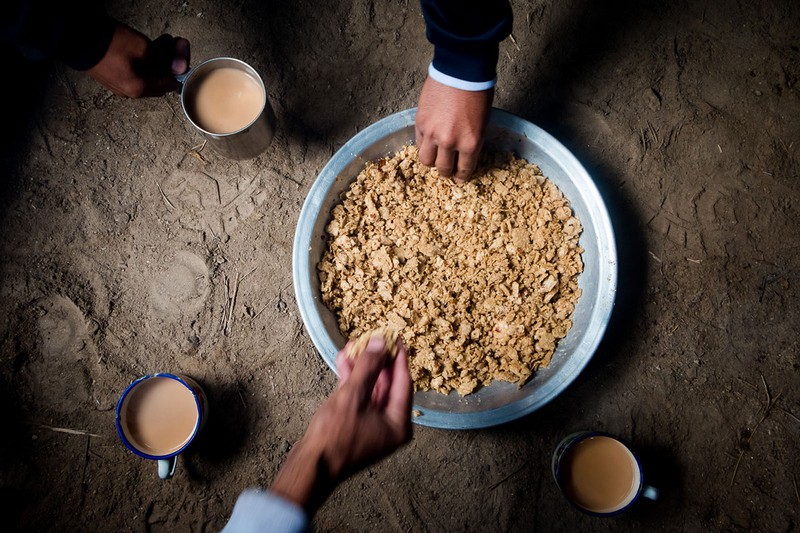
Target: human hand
{"type": "Point", "coordinates": [364, 420]}
{"type": "Point", "coordinates": [450, 126]}
{"type": "Point", "coordinates": [371, 409]}
{"type": "Point", "coordinates": [134, 66]}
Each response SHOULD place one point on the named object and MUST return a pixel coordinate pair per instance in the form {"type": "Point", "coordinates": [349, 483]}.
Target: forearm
{"type": "Point", "coordinates": [357, 425]}
{"type": "Point", "coordinates": [304, 477]}
{"type": "Point", "coordinates": [77, 33]}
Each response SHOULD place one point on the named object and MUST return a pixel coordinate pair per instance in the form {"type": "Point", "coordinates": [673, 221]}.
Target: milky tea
{"type": "Point", "coordinates": [159, 416]}
{"type": "Point", "coordinates": [599, 474]}
{"type": "Point", "coordinates": [225, 100]}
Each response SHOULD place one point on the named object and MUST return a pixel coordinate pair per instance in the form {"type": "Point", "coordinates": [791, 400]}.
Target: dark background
{"type": "Point", "coordinates": [685, 113]}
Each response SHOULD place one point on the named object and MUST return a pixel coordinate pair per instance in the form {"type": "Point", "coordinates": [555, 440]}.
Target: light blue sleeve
{"type": "Point", "coordinates": [258, 511]}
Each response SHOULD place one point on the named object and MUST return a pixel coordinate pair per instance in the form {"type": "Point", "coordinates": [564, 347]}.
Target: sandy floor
{"type": "Point", "coordinates": [117, 243]}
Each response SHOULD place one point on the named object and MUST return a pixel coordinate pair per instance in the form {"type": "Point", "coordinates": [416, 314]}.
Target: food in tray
{"type": "Point", "coordinates": [479, 280]}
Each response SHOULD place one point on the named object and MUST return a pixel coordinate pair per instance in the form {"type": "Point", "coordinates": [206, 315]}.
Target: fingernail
{"type": "Point", "coordinates": [179, 65]}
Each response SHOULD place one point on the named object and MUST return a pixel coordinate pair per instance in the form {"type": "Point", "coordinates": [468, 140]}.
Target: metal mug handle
{"type": "Point", "coordinates": [166, 467]}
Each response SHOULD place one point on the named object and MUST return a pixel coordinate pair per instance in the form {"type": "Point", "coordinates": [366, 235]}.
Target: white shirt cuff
{"type": "Point", "coordinates": [257, 511]}
{"type": "Point", "coordinates": [456, 83]}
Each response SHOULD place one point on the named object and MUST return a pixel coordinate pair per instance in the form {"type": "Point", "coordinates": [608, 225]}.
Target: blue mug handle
{"type": "Point", "coordinates": [166, 467]}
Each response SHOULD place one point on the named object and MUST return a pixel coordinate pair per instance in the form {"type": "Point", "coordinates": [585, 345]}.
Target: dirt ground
{"type": "Point", "coordinates": [118, 242]}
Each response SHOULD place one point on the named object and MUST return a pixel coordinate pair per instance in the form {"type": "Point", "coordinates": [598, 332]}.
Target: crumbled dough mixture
{"type": "Point", "coordinates": [479, 280]}
{"type": "Point", "coordinates": [388, 335]}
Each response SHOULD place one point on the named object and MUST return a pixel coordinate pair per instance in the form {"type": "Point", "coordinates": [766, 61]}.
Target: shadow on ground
{"type": "Point", "coordinates": [27, 94]}
{"type": "Point", "coordinates": [222, 439]}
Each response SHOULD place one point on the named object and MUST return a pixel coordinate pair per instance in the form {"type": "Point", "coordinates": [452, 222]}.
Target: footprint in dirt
{"type": "Point", "coordinates": [201, 202]}
{"type": "Point", "coordinates": [57, 373]}
{"type": "Point", "coordinates": [181, 289]}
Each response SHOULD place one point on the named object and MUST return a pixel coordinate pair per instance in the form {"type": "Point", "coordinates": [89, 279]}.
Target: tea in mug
{"type": "Point", "coordinates": [159, 416]}
{"type": "Point", "coordinates": [600, 474]}
{"type": "Point", "coordinates": [225, 100]}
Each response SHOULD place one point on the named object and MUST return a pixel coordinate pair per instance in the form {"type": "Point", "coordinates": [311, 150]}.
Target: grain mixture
{"type": "Point", "coordinates": [479, 280]}
{"type": "Point", "coordinates": [387, 335]}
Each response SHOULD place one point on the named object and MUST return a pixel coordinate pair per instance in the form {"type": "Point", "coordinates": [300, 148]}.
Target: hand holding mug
{"type": "Point", "coordinates": [134, 66]}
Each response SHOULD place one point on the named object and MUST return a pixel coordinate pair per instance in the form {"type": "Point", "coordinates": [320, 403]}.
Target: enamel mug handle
{"type": "Point", "coordinates": [651, 493]}
{"type": "Point", "coordinates": [166, 467]}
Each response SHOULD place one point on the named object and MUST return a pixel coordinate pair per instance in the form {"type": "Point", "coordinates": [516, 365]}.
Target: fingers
{"type": "Point", "coordinates": [445, 161]}
{"type": "Point", "coordinates": [167, 57]}
{"type": "Point", "coordinates": [367, 368]}
{"type": "Point", "coordinates": [344, 365]}
{"type": "Point", "coordinates": [433, 154]}
{"type": "Point", "coordinates": [398, 405]}
{"type": "Point", "coordinates": [426, 151]}
{"type": "Point", "coordinates": [467, 162]}
{"type": "Point", "coordinates": [380, 392]}
{"type": "Point", "coordinates": [450, 163]}
{"type": "Point", "coordinates": [160, 55]}
{"type": "Point", "coordinates": [181, 56]}
{"type": "Point", "coordinates": [376, 381]}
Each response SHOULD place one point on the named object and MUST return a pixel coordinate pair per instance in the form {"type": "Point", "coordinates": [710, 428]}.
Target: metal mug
{"type": "Point", "coordinates": [166, 461]}
{"type": "Point", "coordinates": [244, 143]}
{"type": "Point", "coordinates": [638, 488]}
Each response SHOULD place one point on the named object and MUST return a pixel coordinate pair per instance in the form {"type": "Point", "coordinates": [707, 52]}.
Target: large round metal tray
{"type": "Point", "coordinates": [500, 402]}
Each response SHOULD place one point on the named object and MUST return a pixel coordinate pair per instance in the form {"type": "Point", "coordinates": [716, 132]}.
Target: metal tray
{"type": "Point", "coordinates": [500, 402]}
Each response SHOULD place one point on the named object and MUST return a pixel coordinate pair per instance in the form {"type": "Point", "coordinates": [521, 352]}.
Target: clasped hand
{"type": "Point", "coordinates": [134, 66]}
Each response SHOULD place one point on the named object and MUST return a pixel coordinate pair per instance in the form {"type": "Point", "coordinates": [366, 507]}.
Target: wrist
{"type": "Point", "coordinates": [304, 479]}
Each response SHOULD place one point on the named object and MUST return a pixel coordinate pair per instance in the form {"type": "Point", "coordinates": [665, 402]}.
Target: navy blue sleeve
{"type": "Point", "coordinates": [466, 36]}
{"type": "Point", "coordinates": [77, 33]}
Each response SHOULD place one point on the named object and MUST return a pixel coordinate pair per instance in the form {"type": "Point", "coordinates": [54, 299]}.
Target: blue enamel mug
{"type": "Point", "coordinates": [599, 473]}
{"type": "Point", "coordinates": [159, 415]}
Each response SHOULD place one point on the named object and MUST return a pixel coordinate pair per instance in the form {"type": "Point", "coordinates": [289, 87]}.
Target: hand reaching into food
{"type": "Point", "coordinates": [366, 418]}
{"type": "Point", "coordinates": [457, 96]}
{"type": "Point", "coordinates": [450, 126]}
